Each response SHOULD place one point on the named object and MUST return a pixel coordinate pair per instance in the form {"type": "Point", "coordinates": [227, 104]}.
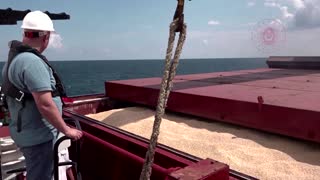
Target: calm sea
{"type": "Point", "coordinates": [87, 77]}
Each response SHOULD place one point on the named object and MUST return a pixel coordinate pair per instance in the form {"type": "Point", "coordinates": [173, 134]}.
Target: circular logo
{"type": "Point", "coordinates": [269, 35]}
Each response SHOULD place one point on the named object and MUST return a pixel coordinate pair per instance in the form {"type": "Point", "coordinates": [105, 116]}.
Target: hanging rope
{"type": "Point", "coordinates": [169, 72]}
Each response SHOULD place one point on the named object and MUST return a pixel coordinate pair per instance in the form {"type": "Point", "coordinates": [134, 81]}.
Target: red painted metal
{"type": "Point", "coordinates": [204, 169]}
{"type": "Point", "coordinates": [103, 160]}
{"type": "Point", "coordinates": [4, 131]}
{"type": "Point", "coordinates": [275, 100]}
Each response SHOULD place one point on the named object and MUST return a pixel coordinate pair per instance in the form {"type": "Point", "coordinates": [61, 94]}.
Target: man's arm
{"type": "Point", "coordinates": [35, 75]}
{"type": "Point", "coordinates": [49, 111]}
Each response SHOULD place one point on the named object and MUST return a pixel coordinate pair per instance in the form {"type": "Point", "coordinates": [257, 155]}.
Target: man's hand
{"type": "Point", "coordinates": [74, 134]}
{"type": "Point", "coordinates": [50, 112]}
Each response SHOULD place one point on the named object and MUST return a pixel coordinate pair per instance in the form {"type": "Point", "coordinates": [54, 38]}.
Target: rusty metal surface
{"type": "Point", "coordinates": [280, 101]}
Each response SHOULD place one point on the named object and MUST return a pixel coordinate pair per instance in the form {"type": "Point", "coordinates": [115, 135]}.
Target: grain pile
{"type": "Point", "coordinates": [255, 153]}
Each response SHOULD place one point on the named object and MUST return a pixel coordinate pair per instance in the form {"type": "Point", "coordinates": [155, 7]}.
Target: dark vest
{"type": "Point", "coordinates": [8, 89]}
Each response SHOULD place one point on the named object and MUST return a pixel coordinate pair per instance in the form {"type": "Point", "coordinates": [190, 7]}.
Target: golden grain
{"type": "Point", "coordinates": [259, 154]}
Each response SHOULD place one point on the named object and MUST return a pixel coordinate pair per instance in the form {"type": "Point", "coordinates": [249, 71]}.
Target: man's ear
{"type": "Point", "coordinates": [44, 39]}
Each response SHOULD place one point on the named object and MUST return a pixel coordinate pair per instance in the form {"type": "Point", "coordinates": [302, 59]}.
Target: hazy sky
{"type": "Point", "coordinates": [138, 29]}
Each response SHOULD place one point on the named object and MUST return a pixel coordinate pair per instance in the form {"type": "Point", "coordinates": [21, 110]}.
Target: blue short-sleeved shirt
{"type": "Point", "coordinates": [29, 73]}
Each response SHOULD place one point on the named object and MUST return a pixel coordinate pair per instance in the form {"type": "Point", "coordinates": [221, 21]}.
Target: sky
{"type": "Point", "coordinates": [139, 29]}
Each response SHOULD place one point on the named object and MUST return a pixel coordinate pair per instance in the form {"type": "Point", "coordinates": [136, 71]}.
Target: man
{"type": "Point", "coordinates": [36, 121]}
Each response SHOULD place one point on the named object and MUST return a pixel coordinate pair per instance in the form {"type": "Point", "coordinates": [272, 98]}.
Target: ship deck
{"type": "Point", "coordinates": [281, 101]}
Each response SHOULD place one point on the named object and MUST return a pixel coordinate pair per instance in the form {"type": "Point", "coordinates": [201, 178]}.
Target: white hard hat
{"type": "Point", "coordinates": [37, 20]}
